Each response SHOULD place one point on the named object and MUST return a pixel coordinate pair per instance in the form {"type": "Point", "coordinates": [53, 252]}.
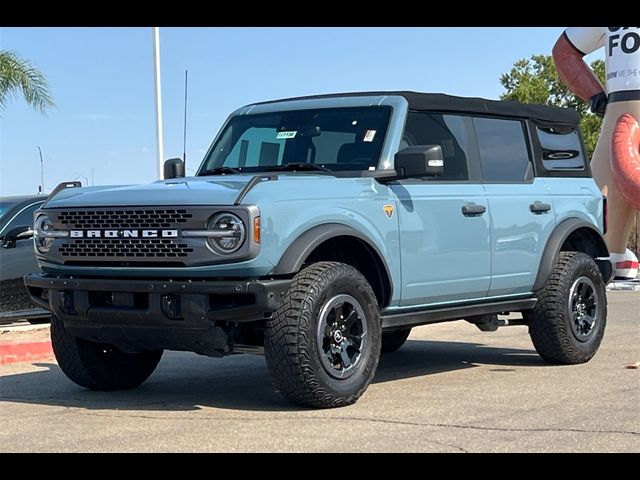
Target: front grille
{"type": "Point", "coordinates": [128, 250]}
{"type": "Point", "coordinates": [139, 218]}
{"type": "Point", "coordinates": [125, 247]}
{"type": "Point", "coordinates": [140, 251]}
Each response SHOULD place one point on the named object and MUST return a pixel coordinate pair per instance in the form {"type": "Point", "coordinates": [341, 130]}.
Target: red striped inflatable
{"type": "Point", "coordinates": [625, 159]}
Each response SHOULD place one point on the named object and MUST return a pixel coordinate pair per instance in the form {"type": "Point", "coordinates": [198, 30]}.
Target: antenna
{"type": "Point", "coordinates": [184, 132]}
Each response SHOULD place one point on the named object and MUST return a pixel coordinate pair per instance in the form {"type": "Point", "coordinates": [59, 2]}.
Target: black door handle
{"type": "Point", "coordinates": [473, 210]}
{"type": "Point", "coordinates": [539, 207]}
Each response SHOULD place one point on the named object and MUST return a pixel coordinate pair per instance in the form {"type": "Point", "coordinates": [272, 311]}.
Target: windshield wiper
{"type": "Point", "coordinates": [220, 171]}
{"type": "Point", "coordinates": [298, 167]}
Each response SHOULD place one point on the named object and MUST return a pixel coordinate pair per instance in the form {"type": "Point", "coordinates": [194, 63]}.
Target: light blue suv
{"type": "Point", "coordinates": [320, 230]}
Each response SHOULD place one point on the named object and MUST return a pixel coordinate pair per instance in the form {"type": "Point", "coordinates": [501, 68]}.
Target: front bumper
{"type": "Point", "coordinates": [138, 314]}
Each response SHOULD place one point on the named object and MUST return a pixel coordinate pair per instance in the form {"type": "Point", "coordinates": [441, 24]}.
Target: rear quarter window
{"type": "Point", "coordinates": [561, 148]}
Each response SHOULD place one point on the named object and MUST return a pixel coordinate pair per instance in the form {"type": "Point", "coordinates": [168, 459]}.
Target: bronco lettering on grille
{"type": "Point", "coordinates": [124, 233]}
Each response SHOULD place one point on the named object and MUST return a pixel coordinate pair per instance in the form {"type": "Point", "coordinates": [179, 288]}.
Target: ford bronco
{"type": "Point", "coordinates": [319, 230]}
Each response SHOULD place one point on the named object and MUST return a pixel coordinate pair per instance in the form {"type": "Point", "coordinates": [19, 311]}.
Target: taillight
{"type": "Point", "coordinates": [605, 215]}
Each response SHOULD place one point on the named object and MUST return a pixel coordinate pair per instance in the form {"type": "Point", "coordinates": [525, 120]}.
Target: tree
{"type": "Point", "coordinates": [536, 80]}
{"type": "Point", "coordinates": [18, 76]}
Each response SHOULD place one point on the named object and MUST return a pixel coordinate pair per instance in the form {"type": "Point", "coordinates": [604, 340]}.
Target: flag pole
{"type": "Point", "coordinates": [158, 88]}
{"type": "Point", "coordinates": [184, 131]}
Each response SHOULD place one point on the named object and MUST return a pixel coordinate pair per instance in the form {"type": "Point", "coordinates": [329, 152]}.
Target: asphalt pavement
{"type": "Point", "coordinates": [451, 388]}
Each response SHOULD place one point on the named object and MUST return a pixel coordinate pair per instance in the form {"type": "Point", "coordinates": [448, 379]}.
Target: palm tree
{"type": "Point", "coordinates": [18, 76]}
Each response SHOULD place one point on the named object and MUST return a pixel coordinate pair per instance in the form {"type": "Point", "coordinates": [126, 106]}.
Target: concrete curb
{"type": "Point", "coordinates": [25, 351]}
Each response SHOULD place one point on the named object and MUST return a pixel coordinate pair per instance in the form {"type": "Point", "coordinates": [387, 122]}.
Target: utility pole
{"type": "Point", "coordinates": [158, 88]}
{"type": "Point", "coordinates": [184, 131]}
{"type": "Point", "coordinates": [41, 171]}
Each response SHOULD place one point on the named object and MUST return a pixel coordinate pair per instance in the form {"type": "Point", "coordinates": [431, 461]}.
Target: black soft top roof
{"type": "Point", "coordinates": [449, 103]}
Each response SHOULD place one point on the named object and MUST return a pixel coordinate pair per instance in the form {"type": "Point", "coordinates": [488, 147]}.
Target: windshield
{"type": "Point", "coordinates": [333, 139]}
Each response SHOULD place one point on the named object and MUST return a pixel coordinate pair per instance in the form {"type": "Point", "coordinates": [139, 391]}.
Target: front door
{"type": "Point", "coordinates": [444, 222]}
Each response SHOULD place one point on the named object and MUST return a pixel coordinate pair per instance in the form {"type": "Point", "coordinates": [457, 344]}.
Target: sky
{"type": "Point", "coordinates": [102, 131]}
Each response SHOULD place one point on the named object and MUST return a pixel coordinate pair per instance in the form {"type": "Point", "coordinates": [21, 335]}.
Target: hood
{"type": "Point", "coordinates": [215, 190]}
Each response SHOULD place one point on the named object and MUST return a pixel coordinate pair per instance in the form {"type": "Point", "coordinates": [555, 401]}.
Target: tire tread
{"type": "Point", "coordinates": [78, 360]}
{"type": "Point", "coordinates": [287, 341]}
{"type": "Point", "coordinates": [548, 327]}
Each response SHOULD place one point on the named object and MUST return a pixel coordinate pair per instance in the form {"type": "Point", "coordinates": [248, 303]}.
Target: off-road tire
{"type": "Point", "coordinates": [392, 341]}
{"type": "Point", "coordinates": [550, 329]}
{"type": "Point", "coordinates": [291, 345]}
{"type": "Point", "coordinates": [99, 366]}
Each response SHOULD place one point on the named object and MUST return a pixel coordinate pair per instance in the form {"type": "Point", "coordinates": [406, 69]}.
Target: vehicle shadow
{"type": "Point", "coordinates": [185, 382]}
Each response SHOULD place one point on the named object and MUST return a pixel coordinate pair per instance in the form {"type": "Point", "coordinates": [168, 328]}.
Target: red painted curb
{"type": "Point", "coordinates": [25, 351]}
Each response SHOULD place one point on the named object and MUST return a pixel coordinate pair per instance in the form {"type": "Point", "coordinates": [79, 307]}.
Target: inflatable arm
{"type": "Point", "coordinates": [573, 70]}
{"type": "Point", "coordinates": [625, 159]}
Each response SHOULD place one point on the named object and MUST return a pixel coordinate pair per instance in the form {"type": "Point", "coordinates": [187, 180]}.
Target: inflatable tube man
{"type": "Point", "coordinates": [616, 159]}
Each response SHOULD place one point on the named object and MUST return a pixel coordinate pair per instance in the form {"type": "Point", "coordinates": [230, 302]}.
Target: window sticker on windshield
{"type": "Point", "coordinates": [285, 135]}
{"type": "Point", "coordinates": [369, 135]}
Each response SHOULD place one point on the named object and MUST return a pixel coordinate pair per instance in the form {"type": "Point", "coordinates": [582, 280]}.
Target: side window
{"type": "Point", "coordinates": [561, 149]}
{"type": "Point", "coordinates": [504, 154]}
{"type": "Point", "coordinates": [452, 132]}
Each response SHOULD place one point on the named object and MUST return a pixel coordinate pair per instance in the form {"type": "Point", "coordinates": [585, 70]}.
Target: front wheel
{"type": "Point", "coordinates": [567, 324]}
{"type": "Point", "coordinates": [99, 366]}
{"type": "Point", "coordinates": [323, 344]}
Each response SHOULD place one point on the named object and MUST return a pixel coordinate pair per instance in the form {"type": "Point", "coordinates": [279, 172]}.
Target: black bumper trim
{"type": "Point", "coordinates": [267, 295]}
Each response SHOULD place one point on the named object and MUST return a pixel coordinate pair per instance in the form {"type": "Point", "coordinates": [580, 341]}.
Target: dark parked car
{"type": "Point", "coordinates": [17, 257]}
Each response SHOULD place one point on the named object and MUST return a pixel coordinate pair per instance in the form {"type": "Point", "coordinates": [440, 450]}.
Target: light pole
{"type": "Point", "coordinates": [184, 132]}
{"type": "Point", "coordinates": [41, 171]}
{"type": "Point", "coordinates": [158, 88]}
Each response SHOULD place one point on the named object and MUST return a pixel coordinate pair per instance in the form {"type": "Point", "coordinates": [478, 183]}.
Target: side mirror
{"type": "Point", "coordinates": [173, 168]}
{"type": "Point", "coordinates": [420, 161]}
{"type": "Point", "coordinates": [22, 232]}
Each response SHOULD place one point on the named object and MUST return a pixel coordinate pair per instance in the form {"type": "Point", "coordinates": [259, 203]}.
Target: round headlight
{"type": "Point", "coordinates": [42, 243]}
{"type": "Point", "coordinates": [230, 233]}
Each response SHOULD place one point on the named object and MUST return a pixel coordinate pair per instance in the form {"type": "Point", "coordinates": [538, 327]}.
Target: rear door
{"type": "Point", "coordinates": [444, 224]}
{"type": "Point", "coordinates": [562, 163]}
{"type": "Point", "coordinates": [519, 206]}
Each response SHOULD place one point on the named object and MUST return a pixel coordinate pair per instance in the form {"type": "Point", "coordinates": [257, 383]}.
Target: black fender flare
{"type": "Point", "coordinates": [295, 255]}
{"type": "Point", "coordinates": [552, 250]}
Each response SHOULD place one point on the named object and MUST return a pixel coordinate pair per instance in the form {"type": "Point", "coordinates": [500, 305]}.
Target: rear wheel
{"type": "Point", "coordinates": [392, 341]}
{"type": "Point", "coordinates": [568, 322]}
{"type": "Point", "coordinates": [99, 366]}
{"type": "Point", "coordinates": [323, 344]}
